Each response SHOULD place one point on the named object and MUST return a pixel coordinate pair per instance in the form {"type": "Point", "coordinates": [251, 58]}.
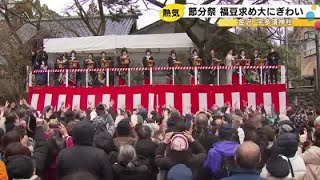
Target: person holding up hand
{"type": "Point", "coordinates": [184, 149]}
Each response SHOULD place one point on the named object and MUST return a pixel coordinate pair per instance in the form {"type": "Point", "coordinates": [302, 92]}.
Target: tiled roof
{"type": "Point", "coordinates": [62, 28]}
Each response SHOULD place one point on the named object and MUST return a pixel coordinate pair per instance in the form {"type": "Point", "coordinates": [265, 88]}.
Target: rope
{"type": "Point", "coordinates": [157, 68]}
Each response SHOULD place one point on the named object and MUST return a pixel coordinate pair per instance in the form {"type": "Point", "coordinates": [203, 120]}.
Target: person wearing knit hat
{"type": "Point", "coordinates": [179, 172]}
{"type": "Point", "coordinates": [277, 167]}
{"type": "Point", "coordinates": [143, 113]}
{"type": "Point", "coordinates": [229, 141]}
{"type": "Point", "coordinates": [83, 156]}
{"type": "Point", "coordinates": [285, 128]}
{"type": "Point", "coordinates": [179, 143]}
{"type": "Point", "coordinates": [218, 114]}
{"type": "Point", "coordinates": [20, 167]}
{"type": "Point", "coordinates": [283, 119]}
{"type": "Point", "coordinates": [180, 148]}
{"type": "Point", "coordinates": [287, 145]}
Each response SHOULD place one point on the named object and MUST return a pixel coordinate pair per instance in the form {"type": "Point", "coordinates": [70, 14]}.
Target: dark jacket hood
{"type": "Point", "coordinates": [83, 133]}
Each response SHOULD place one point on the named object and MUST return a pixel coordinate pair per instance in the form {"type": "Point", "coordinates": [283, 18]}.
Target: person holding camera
{"type": "Point", "coordinates": [182, 148]}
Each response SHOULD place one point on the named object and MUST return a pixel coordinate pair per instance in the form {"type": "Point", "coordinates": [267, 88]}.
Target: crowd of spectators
{"type": "Point", "coordinates": [107, 143]}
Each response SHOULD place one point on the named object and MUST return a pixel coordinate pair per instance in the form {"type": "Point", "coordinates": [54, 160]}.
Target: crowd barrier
{"type": "Point", "coordinates": [173, 69]}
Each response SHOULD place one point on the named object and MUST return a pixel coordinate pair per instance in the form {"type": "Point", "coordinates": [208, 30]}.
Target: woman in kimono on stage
{"type": "Point", "coordinates": [40, 59]}
{"type": "Point", "coordinates": [236, 72]}
{"type": "Point", "coordinates": [61, 63]}
{"type": "Point", "coordinates": [194, 56]}
{"type": "Point", "coordinates": [89, 63]}
{"type": "Point", "coordinates": [74, 77]}
{"type": "Point", "coordinates": [145, 60]}
{"type": "Point", "coordinates": [123, 62]}
{"type": "Point", "coordinates": [105, 62]}
{"type": "Point", "coordinates": [253, 75]}
{"type": "Point", "coordinates": [172, 60]}
{"type": "Point", "coordinates": [229, 62]}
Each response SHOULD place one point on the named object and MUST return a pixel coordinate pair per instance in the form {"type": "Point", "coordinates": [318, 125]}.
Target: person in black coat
{"type": "Point", "coordinates": [171, 59]}
{"type": "Point", "coordinates": [273, 60]}
{"type": "Point", "coordinates": [195, 55]}
{"type": "Point", "coordinates": [102, 75]}
{"type": "Point", "coordinates": [123, 74]}
{"type": "Point", "coordinates": [74, 77]}
{"type": "Point", "coordinates": [202, 133]}
{"type": "Point", "coordinates": [83, 155]}
{"type": "Point", "coordinates": [41, 63]}
{"type": "Point", "coordinates": [145, 147]}
{"type": "Point", "coordinates": [145, 60]}
{"type": "Point", "coordinates": [128, 166]}
{"type": "Point", "coordinates": [90, 63]}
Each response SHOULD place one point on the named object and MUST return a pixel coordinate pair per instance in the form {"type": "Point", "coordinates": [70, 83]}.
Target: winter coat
{"type": "Point", "coordinates": [207, 139]}
{"type": "Point", "coordinates": [311, 158]}
{"type": "Point", "coordinates": [298, 166]}
{"type": "Point", "coordinates": [146, 148]}
{"type": "Point", "coordinates": [83, 155]}
{"type": "Point", "coordinates": [40, 150]}
{"type": "Point", "coordinates": [136, 171]}
{"type": "Point", "coordinates": [119, 141]}
{"type": "Point", "coordinates": [243, 174]}
{"type": "Point", "coordinates": [217, 153]}
{"type": "Point", "coordinates": [192, 158]}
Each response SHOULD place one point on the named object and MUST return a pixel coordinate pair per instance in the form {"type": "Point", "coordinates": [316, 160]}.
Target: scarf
{"type": "Point", "coordinates": [216, 154]}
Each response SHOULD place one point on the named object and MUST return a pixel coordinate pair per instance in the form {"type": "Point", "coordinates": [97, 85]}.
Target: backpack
{"type": "Point", "coordinates": [100, 124]}
{"type": "Point", "coordinates": [227, 165]}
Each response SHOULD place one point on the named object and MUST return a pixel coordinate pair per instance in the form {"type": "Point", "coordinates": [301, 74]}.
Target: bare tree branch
{"type": "Point", "coordinates": [102, 26]}
{"type": "Point", "coordinates": [84, 16]}
{"type": "Point", "coordinates": [157, 3]}
{"type": "Point", "coordinates": [5, 14]}
{"type": "Point", "coordinates": [239, 2]}
{"type": "Point", "coordinates": [191, 34]}
{"type": "Point", "coordinates": [64, 26]}
{"type": "Point", "coordinates": [208, 2]}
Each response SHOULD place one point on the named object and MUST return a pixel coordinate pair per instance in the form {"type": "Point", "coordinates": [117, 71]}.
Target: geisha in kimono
{"type": "Point", "coordinates": [40, 63]}
{"type": "Point", "coordinates": [73, 77]}
{"type": "Point", "coordinates": [123, 62]}
{"type": "Point", "coordinates": [61, 63]}
{"type": "Point", "coordinates": [253, 74]}
{"type": "Point", "coordinates": [89, 63]}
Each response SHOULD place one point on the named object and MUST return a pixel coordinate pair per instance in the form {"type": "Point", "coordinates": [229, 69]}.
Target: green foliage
{"type": "Point", "coordinates": [246, 38]}
{"type": "Point", "coordinates": [294, 73]}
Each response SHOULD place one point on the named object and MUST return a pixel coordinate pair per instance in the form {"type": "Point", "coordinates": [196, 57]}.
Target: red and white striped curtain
{"type": "Point", "coordinates": [182, 97]}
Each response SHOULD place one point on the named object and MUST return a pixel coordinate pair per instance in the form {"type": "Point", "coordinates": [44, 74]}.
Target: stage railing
{"type": "Point", "coordinates": [173, 69]}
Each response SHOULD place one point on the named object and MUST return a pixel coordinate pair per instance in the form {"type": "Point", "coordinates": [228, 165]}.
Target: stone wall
{"type": "Point", "coordinates": [306, 97]}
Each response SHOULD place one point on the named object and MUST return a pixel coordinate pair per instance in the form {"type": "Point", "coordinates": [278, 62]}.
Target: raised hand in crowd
{"type": "Point", "coordinates": [7, 104]}
{"type": "Point", "coordinates": [111, 103]}
{"type": "Point", "coordinates": [2, 110]}
{"type": "Point", "coordinates": [215, 107]}
{"type": "Point", "coordinates": [61, 105]}
{"type": "Point", "coordinates": [77, 108]}
{"type": "Point", "coordinates": [66, 108]}
{"type": "Point", "coordinates": [167, 138]}
{"type": "Point", "coordinates": [39, 122]}
{"type": "Point", "coordinates": [189, 136]}
{"type": "Point", "coordinates": [63, 130]}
